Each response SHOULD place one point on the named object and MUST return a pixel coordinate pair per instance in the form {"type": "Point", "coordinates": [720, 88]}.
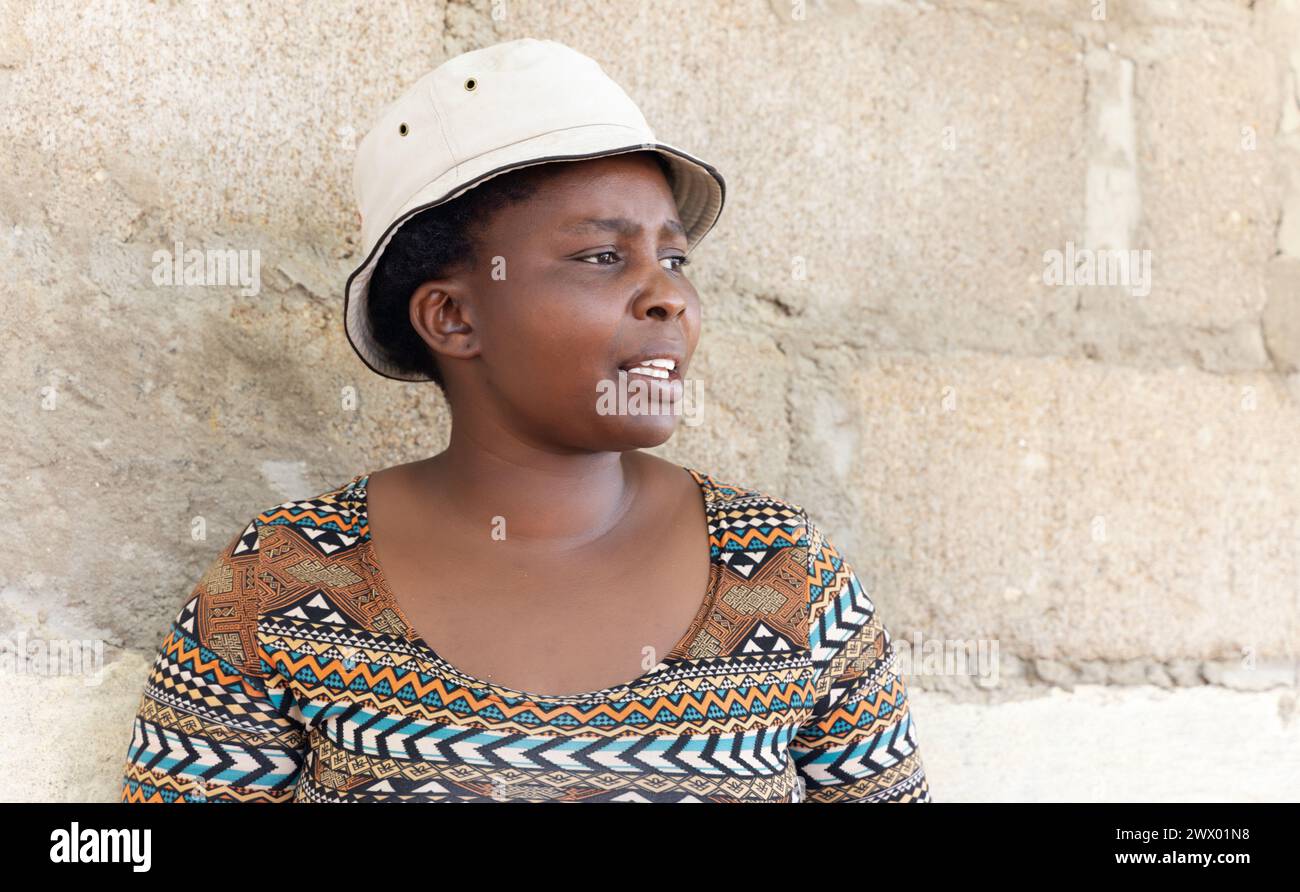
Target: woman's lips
{"type": "Point", "coordinates": [654, 369]}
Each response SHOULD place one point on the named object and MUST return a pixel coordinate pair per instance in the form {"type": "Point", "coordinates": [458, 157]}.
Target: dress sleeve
{"type": "Point", "coordinates": [215, 724]}
{"type": "Point", "coordinates": [859, 744]}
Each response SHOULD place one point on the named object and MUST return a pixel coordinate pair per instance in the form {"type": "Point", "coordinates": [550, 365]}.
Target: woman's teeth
{"type": "Point", "coordinates": [654, 368]}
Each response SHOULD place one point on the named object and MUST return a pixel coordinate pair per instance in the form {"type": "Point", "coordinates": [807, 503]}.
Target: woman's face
{"type": "Point", "coordinates": [573, 286]}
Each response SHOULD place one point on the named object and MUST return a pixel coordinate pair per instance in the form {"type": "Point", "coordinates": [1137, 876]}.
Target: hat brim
{"type": "Point", "coordinates": [698, 189]}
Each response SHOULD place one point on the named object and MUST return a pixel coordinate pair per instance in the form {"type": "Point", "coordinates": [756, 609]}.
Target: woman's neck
{"type": "Point", "coordinates": [560, 501]}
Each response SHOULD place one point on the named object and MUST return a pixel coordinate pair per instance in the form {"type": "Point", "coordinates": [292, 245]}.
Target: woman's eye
{"type": "Point", "coordinates": [593, 259]}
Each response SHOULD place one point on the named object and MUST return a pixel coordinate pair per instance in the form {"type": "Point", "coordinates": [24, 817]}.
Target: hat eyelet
{"type": "Point", "coordinates": [403, 129]}
{"type": "Point", "coordinates": [471, 83]}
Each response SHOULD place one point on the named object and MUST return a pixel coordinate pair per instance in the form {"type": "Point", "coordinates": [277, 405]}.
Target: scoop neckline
{"type": "Point", "coordinates": [678, 653]}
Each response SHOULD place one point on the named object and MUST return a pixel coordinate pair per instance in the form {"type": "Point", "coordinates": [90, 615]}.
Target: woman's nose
{"type": "Point", "coordinates": [662, 295]}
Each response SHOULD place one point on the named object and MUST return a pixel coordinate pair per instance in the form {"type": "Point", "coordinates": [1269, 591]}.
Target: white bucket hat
{"type": "Point", "coordinates": [485, 112]}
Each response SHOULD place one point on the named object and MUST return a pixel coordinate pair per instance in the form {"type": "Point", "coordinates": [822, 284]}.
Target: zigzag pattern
{"type": "Point", "coordinates": [191, 677]}
{"type": "Point", "coordinates": [229, 763]}
{"type": "Point", "coordinates": [340, 775]}
{"type": "Point", "coordinates": [860, 745]}
{"type": "Point", "coordinates": [149, 785]}
{"type": "Point", "coordinates": [841, 614]}
{"type": "Point", "coordinates": [756, 753]}
{"type": "Point", "coordinates": [904, 781]}
{"type": "Point", "coordinates": [857, 754]}
{"type": "Point", "coordinates": [293, 674]}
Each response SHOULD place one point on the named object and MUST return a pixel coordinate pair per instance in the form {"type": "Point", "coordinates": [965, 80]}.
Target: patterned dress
{"type": "Point", "coordinates": [291, 674]}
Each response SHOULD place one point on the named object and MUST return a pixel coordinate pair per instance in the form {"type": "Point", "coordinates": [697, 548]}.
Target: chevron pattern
{"type": "Point", "coordinates": [291, 673]}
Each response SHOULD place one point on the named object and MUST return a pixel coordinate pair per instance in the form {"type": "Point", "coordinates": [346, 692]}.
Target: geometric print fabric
{"type": "Point", "coordinates": [291, 674]}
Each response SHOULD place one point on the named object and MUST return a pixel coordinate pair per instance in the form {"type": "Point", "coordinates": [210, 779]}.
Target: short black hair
{"type": "Point", "coordinates": [432, 244]}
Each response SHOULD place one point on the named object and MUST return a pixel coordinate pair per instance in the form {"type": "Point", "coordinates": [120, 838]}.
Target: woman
{"type": "Point", "coordinates": [541, 612]}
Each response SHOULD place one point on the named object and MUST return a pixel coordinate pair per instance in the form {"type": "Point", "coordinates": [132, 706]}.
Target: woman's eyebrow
{"type": "Point", "coordinates": [621, 225]}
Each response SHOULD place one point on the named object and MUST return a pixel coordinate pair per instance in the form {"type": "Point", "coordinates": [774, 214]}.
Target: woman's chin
{"type": "Point", "coordinates": [642, 413]}
{"type": "Point", "coordinates": [641, 431]}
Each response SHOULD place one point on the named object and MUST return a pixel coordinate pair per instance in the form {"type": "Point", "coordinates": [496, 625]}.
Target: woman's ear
{"type": "Point", "coordinates": [442, 318]}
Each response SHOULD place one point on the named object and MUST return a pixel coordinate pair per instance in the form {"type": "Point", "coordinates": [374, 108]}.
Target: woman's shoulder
{"type": "Point", "coordinates": [753, 519]}
{"type": "Point", "coordinates": [332, 521]}
{"type": "Point", "coordinates": [302, 543]}
{"type": "Point", "coordinates": [756, 506]}
{"type": "Point", "coordinates": [740, 499]}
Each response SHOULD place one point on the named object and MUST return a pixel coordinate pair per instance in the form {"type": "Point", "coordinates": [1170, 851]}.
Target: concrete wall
{"type": "Point", "coordinates": [1097, 488]}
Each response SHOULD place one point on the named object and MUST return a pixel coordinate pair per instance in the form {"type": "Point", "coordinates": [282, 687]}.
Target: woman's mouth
{"type": "Point", "coordinates": [656, 369]}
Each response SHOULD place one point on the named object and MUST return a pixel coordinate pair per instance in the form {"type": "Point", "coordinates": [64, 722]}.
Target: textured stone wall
{"type": "Point", "coordinates": [1094, 487]}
